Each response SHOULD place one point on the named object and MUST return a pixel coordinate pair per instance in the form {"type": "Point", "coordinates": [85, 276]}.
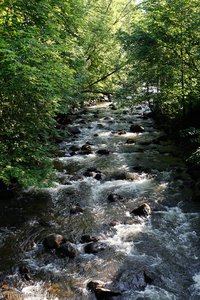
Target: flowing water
{"type": "Point", "coordinates": [146, 169]}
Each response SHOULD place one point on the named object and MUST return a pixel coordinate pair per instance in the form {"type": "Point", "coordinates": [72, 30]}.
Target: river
{"type": "Point", "coordinates": [152, 258]}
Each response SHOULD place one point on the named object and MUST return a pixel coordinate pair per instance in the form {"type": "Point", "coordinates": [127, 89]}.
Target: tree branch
{"type": "Point", "coordinates": [104, 77]}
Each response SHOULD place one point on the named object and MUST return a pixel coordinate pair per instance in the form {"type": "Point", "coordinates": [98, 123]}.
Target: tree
{"type": "Point", "coordinates": [51, 53]}
{"type": "Point", "coordinates": [37, 79]}
{"type": "Point", "coordinates": [163, 53]}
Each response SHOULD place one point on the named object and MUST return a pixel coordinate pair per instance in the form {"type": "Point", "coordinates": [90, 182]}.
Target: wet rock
{"type": "Point", "coordinates": [136, 128]}
{"type": "Point", "coordinates": [130, 141]}
{"type": "Point", "coordinates": [24, 272]}
{"type": "Point", "coordinates": [100, 291]}
{"type": "Point", "coordinates": [93, 284]}
{"type": "Point", "coordinates": [53, 241]}
{"type": "Point", "coordinates": [95, 135]}
{"type": "Point", "coordinates": [141, 169]}
{"type": "Point", "coordinates": [86, 238]}
{"type": "Point", "coordinates": [64, 119]}
{"type": "Point", "coordinates": [93, 172]}
{"type": "Point", "coordinates": [114, 223]}
{"type": "Point", "coordinates": [148, 277]}
{"type": "Point", "coordinates": [114, 198]}
{"type": "Point", "coordinates": [100, 126]}
{"type": "Point", "coordinates": [89, 143]}
{"type": "Point", "coordinates": [67, 250]}
{"type": "Point", "coordinates": [88, 174]}
{"type": "Point", "coordinates": [86, 149]}
{"type": "Point", "coordinates": [74, 129]}
{"type": "Point", "coordinates": [94, 247]}
{"type": "Point", "coordinates": [121, 132]}
{"type": "Point", "coordinates": [99, 176]}
{"type": "Point", "coordinates": [108, 119]}
{"type": "Point", "coordinates": [74, 148]}
{"type": "Point", "coordinates": [118, 176]}
{"type": "Point", "coordinates": [143, 210]}
{"type": "Point", "coordinates": [75, 209]}
{"type": "Point", "coordinates": [103, 152]}
{"type": "Point", "coordinates": [113, 107]}
{"type": "Point", "coordinates": [147, 115]}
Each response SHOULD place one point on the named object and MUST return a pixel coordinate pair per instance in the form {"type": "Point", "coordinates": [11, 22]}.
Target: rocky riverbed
{"type": "Point", "coordinates": [119, 222]}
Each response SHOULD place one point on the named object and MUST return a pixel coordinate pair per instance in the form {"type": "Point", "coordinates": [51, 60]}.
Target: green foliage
{"type": "Point", "coordinates": [192, 136]}
{"type": "Point", "coordinates": [37, 80]}
{"type": "Point", "coordinates": [50, 53]}
{"type": "Point", "coordinates": [163, 54]}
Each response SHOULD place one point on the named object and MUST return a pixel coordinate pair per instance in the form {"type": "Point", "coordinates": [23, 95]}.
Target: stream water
{"type": "Point", "coordinates": [142, 168]}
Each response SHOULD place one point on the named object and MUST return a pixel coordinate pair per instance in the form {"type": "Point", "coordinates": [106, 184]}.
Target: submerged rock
{"type": "Point", "coordinates": [143, 210]}
{"type": "Point", "coordinates": [53, 241]}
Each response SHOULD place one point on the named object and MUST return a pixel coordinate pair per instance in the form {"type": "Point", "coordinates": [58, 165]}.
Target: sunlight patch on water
{"type": "Point", "coordinates": [196, 285]}
{"type": "Point", "coordinates": [35, 292]}
{"type": "Point", "coordinates": [123, 239]}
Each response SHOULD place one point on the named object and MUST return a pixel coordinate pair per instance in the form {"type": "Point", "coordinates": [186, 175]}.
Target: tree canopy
{"type": "Point", "coordinates": [55, 55]}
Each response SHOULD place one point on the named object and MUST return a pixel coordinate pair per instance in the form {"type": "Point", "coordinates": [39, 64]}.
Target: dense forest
{"type": "Point", "coordinates": [55, 56]}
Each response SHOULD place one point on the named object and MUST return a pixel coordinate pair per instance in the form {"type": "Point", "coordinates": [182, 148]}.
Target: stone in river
{"type": "Point", "coordinates": [86, 149]}
{"type": "Point", "coordinates": [103, 152]}
{"type": "Point", "coordinates": [94, 247]}
{"type": "Point", "coordinates": [86, 238]}
{"type": "Point", "coordinates": [143, 210]}
{"type": "Point", "coordinates": [136, 128]}
{"type": "Point", "coordinates": [53, 241]}
{"type": "Point", "coordinates": [67, 250]}
{"type": "Point", "coordinates": [74, 129]}
{"type": "Point", "coordinates": [75, 209]}
{"type": "Point", "coordinates": [114, 198]}
{"type": "Point", "coordinates": [100, 291]}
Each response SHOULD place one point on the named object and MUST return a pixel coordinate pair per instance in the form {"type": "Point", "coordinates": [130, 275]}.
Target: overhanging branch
{"type": "Point", "coordinates": [104, 77]}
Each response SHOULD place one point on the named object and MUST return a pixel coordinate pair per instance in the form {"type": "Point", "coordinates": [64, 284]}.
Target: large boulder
{"type": "Point", "coordinates": [143, 210]}
{"type": "Point", "coordinates": [53, 241]}
{"type": "Point", "coordinates": [136, 128]}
